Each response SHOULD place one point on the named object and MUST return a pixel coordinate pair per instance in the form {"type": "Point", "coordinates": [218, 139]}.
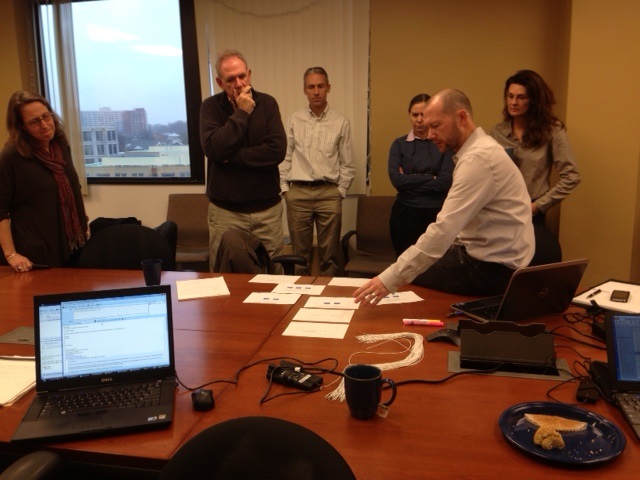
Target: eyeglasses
{"type": "Point", "coordinates": [45, 117]}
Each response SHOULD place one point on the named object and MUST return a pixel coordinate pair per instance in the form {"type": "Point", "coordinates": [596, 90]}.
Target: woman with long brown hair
{"type": "Point", "coordinates": [42, 215]}
{"type": "Point", "coordinates": [537, 141]}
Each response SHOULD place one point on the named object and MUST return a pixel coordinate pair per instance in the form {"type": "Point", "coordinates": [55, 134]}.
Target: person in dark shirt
{"type": "Point", "coordinates": [243, 137]}
{"type": "Point", "coordinates": [421, 174]}
{"type": "Point", "coordinates": [42, 214]}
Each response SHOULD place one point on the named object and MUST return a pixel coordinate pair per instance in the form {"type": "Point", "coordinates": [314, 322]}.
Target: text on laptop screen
{"type": "Point", "coordinates": [626, 342]}
{"type": "Point", "coordinates": [103, 335]}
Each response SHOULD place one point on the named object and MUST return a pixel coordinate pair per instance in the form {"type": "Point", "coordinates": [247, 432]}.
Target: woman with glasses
{"type": "Point", "coordinates": [42, 215]}
{"type": "Point", "coordinates": [537, 141]}
{"type": "Point", "coordinates": [421, 174]}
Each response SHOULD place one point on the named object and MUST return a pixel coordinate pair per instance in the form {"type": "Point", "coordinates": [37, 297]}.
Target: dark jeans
{"type": "Point", "coordinates": [539, 218]}
{"type": "Point", "coordinates": [457, 272]}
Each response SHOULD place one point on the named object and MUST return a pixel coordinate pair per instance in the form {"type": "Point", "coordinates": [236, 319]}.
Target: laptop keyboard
{"type": "Point", "coordinates": [139, 395]}
{"type": "Point", "coordinates": [630, 404]}
{"type": "Point", "coordinates": [488, 312]}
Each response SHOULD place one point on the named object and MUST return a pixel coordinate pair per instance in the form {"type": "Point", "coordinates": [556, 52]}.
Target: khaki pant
{"type": "Point", "coordinates": [322, 206]}
{"type": "Point", "coordinates": [266, 225]}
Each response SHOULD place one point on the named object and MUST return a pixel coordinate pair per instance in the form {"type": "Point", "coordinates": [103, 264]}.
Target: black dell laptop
{"type": "Point", "coordinates": [104, 363]}
{"type": "Point", "coordinates": [533, 292]}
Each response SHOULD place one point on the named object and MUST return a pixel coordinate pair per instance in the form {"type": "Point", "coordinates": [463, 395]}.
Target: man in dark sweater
{"type": "Point", "coordinates": [242, 135]}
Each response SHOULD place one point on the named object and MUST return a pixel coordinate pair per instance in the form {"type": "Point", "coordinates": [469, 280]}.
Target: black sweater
{"type": "Point", "coordinates": [243, 152]}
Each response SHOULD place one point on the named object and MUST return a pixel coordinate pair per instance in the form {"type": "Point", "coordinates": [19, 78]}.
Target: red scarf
{"type": "Point", "coordinates": [54, 160]}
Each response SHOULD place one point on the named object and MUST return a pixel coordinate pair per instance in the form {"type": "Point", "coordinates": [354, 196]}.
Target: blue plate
{"type": "Point", "coordinates": [602, 441]}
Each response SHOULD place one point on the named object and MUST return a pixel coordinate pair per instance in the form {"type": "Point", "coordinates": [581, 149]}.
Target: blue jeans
{"type": "Point", "coordinates": [458, 272]}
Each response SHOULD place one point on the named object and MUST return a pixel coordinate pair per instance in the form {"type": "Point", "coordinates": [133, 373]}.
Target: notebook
{"type": "Point", "coordinates": [532, 292]}
{"type": "Point", "coordinates": [623, 356]}
{"type": "Point", "coordinates": [104, 363]}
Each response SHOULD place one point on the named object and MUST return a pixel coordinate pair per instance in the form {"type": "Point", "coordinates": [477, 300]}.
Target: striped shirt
{"type": "Point", "coordinates": [318, 148]}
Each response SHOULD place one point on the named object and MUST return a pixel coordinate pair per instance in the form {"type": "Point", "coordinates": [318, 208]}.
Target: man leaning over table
{"type": "Point", "coordinates": [316, 174]}
{"type": "Point", "coordinates": [484, 230]}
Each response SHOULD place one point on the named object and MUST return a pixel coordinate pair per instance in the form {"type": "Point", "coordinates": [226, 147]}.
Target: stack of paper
{"type": "Point", "coordinates": [17, 377]}
{"type": "Point", "coordinates": [201, 288]}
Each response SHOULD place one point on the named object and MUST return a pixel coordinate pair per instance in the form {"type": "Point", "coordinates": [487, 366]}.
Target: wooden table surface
{"type": "Point", "coordinates": [447, 430]}
{"type": "Point", "coordinates": [214, 338]}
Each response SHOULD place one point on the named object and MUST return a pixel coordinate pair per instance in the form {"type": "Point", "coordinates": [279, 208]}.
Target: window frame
{"type": "Point", "coordinates": [193, 99]}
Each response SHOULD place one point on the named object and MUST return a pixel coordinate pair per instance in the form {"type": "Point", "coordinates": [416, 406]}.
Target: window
{"type": "Point", "coordinates": [127, 70]}
{"type": "Point", "coordinates": [281, 39]}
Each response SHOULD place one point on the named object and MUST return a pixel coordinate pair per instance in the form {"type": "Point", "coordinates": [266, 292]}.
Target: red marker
{"type": "Point", "coordinates": [423, 322]}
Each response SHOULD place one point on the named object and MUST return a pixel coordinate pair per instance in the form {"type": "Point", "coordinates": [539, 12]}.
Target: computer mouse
{"type": "Point", "coordinates": [203, 400]}
{"type": "Point", "coordinates": [450, 335]}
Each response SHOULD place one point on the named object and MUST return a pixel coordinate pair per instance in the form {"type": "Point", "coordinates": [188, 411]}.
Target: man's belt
{"type": "Point", "coordinates": [314, 183]}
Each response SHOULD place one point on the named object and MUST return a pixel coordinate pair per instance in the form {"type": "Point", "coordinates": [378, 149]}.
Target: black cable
{"type": "Point", "coordinates": [581, 342]}
{"type": "Point", "coordinates": [572, 378]}
{"type": "Point", "coordinates": [574, 351]}
{"type": "Point", "coordinates": [203, 385]}
{"type": "Point", "coordinates": [448, 377]}
{"type": "Point", "coordinates": [312, 369]}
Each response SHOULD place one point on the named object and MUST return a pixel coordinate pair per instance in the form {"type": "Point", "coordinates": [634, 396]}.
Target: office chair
{"type": "Point", "coordinates": [257, 448]}
{"type": "Point", "coordinates": [189, 211]}
{"type": "Point", "coordinates": [242, 252]}
{"type": "Point", "coordinates": [124, 247]}
{"type": "Point", "coordinates": [373, 250]}
{"type": "Point", "coordinates": [38, 465]}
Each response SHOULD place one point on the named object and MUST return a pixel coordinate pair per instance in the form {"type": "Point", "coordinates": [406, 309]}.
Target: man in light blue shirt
{"type": "Point", "coordinates": [316, 174]}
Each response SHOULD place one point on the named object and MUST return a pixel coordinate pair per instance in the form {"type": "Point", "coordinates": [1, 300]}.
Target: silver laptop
{"type": "Point", "coordinates": [104, 363]}
{"type": "Point", "coordinates": [533, 292]}
{"type": "Point", "coordinates": [623, 357]}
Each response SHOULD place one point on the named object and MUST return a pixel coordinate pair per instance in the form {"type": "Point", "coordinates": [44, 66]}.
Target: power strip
{"type": "Point", "coordinates": [293, 375]}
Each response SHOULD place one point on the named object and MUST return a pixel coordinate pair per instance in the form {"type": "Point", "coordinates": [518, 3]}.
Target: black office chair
{"type": "Point", "coordinates": [368, 250]}
{"type": "Point", "coordinates": [242, 252]}
{"type": "Point", "coordinates": [257, 448]}
{"type": "Point", "coordinates": [38, 465]}
{"type": "Point", "coordinates": [124, 247]}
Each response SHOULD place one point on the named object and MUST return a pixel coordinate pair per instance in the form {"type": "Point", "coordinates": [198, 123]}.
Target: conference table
{"type": "Point", "coordinates": [448, 429]}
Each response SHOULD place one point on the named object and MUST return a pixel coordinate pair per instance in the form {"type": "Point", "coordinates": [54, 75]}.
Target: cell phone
{"type": "Point", "coordinates": [38, 266]}
{"type": "Point", "coordinates": [621, 296]}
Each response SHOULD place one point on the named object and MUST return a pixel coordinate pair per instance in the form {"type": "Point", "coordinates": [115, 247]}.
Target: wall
{"type": "Point", "coordinates": [11, 78]}
{"type": "Point", "coordinates": [420, 46]}
{"type": "Point", "coordinates": [601, 220]}
{"type": "Point", "coordinates": [587, 53]}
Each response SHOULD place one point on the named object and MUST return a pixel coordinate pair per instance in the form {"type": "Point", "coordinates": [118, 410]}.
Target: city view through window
{"type": "Point", "coordinates": [131, 88]}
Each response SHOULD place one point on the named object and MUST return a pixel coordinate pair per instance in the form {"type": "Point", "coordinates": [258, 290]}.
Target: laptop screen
{"type": "Point", "coordinates": [624, 349]}
{"type": "Point", "coordinates": [112, 332]}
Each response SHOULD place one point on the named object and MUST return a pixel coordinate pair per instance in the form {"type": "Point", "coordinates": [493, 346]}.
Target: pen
{"type": "Point", "coordinates": [423, 321]}
{"type": "Point", "coordinates": [594, 293]}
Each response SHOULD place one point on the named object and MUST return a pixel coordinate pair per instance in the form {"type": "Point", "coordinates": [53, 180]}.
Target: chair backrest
{"type": "Point", "coordinates": [242, 252]}
{"type": "Point", "coordinates": [189, 211]}
{"type": "Point", "coordinates": [372, 225]}
{"type": "Point", "coordinates": [124, 247]}
{"type": "Point", "coordinates": [257, 448]}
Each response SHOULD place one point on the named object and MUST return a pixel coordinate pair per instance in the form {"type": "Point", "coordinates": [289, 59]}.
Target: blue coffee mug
{"type": "Point", "coordinates": [363, 389]}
